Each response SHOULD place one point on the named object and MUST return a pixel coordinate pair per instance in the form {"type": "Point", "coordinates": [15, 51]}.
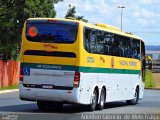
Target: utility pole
{"type": "Point", "coordinates": [121, 7]}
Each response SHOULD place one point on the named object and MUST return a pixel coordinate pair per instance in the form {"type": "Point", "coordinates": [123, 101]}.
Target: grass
{"type": "Point", "coordinates": [149, 82]}
{"type": "Point", "coordinates": [156, 78]}
{"type": "Point", "coordinates": [10, 87]}
{"type": "Point", "coordinates": [152, 80]}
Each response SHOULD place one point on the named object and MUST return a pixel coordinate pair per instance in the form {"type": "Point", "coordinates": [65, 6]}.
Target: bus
{"type": "Point", "coordinates": [66, 61]}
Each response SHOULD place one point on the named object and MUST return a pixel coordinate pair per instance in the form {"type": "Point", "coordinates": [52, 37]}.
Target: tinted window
{"type": "Point", "coordinates": [143, 60]}
{"type": "Point", "coordinates": [108, 43]}
{"type": "Point", "coordinates": [96, 41]}
{"type": "Point", "coordinates": [143, 48]}
{"type": "Point", "coordinates": [51, 32]}
{"type": "Point", "coordinates": [101, 42]}
{"type": "Point", "coordinates": [136, 49]}
{"type": "Point", "coordinates": [90, 40]}
{"type": "Point", "coordinates": [118, 46]}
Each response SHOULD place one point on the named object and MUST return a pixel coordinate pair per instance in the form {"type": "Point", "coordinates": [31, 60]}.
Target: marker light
{"type": "Point", "coordinates": [32, 31]}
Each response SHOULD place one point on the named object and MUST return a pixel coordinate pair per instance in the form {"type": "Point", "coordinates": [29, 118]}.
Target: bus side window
{"type": "Point", "coordinates": [125, 47]}
{"type": "Point", "coordinates": [143, 60]}
{"type": "Point", "coordinates": [89, 38]}
{"type": "Point", "coordinates": [108, 41]}
{"type": "Point", "coordinates": [86, 39]}
{"type": "Point", "coordinates": [100, 42]}
{"type": "Point", "coordinates": [117, 51]}
{"type": "Point", "coordinates": [92, 39]}
{"type": "Point", "coordinates": [135, 47]}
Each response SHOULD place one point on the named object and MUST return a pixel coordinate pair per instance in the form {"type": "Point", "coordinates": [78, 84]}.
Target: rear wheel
{"type": "Point", "coordinates": [136, 98]}
{"type": "Point", "coordinates": [94, 99]}
{"type": "Point", "coordinates": [102, 100]}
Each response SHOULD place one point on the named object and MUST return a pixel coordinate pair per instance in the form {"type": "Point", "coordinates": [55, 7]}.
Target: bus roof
{"type": "Point", "coordinates": [111, 29]}
{"type": "Point", "coordinates": [101, 26]}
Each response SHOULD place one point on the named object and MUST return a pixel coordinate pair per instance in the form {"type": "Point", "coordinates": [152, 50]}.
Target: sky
{"type": "Point", "coordinates": [141, 17]}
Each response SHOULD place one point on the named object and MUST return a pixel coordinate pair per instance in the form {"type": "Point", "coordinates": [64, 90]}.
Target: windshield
{"type": "Point", "coordinates": [51, 31]}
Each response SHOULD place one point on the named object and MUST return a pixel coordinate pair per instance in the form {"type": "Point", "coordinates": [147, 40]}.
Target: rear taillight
{"type": "Point", "coordinates": [21, 75]}
{"type": "Point", "coordinates": [76, 79]}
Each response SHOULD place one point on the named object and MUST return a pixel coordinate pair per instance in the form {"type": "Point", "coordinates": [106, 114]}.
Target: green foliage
{"type": "Point", "coordinates": [149, 82]}
{"type": "Point", "coordinates": [10, 87]}
{"type": "Point", "coordinates": [81, 18]}
{"type": "Point", "coordinates": [72, 13]}
{"type": "Point", "coordinates": [13, 14]}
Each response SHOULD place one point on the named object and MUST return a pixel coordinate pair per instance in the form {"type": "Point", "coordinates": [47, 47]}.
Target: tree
{"type": "Point", "coordinates": [13, 14]}
{"type": "Point", "coordinates": [81, 18]}
{"type": "Point", "coordinates": [71, 13]}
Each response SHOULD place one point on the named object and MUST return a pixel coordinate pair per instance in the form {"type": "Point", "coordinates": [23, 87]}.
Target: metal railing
{"type": "Point", "coordinates": [155, 66]}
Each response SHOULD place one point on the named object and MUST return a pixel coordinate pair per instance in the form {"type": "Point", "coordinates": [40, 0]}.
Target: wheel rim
{"type": "Point", "coordinates": [135, 97]}
{"type": "Point", "coordinates": [94, 100]}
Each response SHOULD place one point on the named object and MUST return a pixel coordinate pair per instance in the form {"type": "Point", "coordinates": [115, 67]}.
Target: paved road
{"type": "Point", "coordinates": [11, 104]}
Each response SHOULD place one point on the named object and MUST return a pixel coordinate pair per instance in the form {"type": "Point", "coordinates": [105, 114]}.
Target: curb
{"type": "Point", "coordinates": [9, 91]}
{"type": "Point", "coordinates": [152, 88]}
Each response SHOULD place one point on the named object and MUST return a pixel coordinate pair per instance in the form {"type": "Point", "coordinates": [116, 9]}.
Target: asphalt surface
{"type": "Point", "coordinates": [12, 106]}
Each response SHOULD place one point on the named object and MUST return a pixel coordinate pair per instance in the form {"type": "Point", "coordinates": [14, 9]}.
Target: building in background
{"type": "Point", "coordinates": [155, 55]}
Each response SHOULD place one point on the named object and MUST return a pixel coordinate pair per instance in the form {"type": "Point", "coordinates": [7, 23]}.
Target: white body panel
{"type": "Point", "coordinates": [54, 77]}
{"type": "Point", "coordinates": [118, 86]}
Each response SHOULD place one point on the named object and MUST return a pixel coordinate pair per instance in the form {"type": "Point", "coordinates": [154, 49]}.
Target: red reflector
{"type": "Point", "coordinates": [32, 31]}
{"type": "Point", "coordinates": [21, 76]}
{"type": "Point", "coordinates": [50, 20]}
{"type": "Point", "coordinates": [69, 92]}
{"type": "Point", "coordinates": [21, 71]}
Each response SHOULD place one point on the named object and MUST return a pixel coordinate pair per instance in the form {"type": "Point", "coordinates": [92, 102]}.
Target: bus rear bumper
{"type": "Point", "coordinates": [37, 94]}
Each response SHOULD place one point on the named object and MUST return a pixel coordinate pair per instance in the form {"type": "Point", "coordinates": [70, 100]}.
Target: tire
{"type": "Point", "coordinates": [94, 99]}
{"type": "Point", "coordinates": [101, 104]}
{"type": "Point", "coordinates": [136, 98]}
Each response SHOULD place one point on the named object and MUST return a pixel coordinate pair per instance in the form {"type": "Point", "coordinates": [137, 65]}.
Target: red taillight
{"type": "Point", "coordinates": [21, 74]}
{"type": "Point", "coordinates": [76, 79]}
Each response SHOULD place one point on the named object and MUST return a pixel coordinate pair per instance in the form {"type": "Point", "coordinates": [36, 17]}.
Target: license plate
{"type": "Point", "coordinates": [47, 86]}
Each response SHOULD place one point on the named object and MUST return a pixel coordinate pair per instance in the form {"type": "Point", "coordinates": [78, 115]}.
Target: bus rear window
{"type": "Point", "coordinates": [51, 31]}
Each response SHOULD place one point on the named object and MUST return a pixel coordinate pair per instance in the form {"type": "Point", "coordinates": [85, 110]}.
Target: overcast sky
{"type": "Point", "coordinates": [141, 17]}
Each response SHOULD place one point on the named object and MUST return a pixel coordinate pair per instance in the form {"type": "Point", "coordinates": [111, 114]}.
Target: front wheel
{"type": "Point", "coordinates": [136, 98]}
{"type": "Point", "coordinates": [94, 99]}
